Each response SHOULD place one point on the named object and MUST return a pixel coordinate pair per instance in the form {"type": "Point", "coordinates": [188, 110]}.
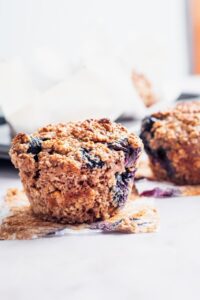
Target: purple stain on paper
{"type": "Point", "coordinates": [161, 193]}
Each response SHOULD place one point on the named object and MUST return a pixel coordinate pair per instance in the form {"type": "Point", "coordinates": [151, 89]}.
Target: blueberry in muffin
{"type": "Point", "coordinates": [172, 141]}
{"type": "Point", "coordinates": [79, 171]}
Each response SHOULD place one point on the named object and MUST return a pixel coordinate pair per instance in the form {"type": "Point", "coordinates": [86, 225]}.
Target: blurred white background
{"type": "Point", "coordinates": [45, 42]}
{"type": "Point", "coordinates": [151, 34]}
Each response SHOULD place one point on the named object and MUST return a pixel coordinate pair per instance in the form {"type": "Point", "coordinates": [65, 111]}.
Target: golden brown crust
{"type": "Point", "coordinates": [172, 141]}
{"type": "Point", "coordinates": [70, 171]}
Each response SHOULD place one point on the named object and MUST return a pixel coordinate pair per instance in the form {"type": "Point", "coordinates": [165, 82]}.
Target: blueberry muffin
{"type": "Point", "coordinates": [79, 171]}
{"type": "Point", "coordinates": [172, 142]}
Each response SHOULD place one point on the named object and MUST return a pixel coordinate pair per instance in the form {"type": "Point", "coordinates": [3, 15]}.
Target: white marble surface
{"type": "Point", "coordinates": [163, 265]}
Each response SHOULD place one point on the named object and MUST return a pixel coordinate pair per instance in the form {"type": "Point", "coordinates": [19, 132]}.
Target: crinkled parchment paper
{"type": "Point", "coordinates": [139, 215]}
{"type": "Point", "coordinates": [18, 222]}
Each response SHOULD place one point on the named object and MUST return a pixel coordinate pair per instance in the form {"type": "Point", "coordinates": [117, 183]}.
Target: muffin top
{"type": "Point", "coordinates": [179, 125]}
{"type": "Point", "coordinates": [92, 140]}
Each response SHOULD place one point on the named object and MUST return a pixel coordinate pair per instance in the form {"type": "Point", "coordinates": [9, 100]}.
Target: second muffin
{"type": "Point", "coordinates": [172, 142]}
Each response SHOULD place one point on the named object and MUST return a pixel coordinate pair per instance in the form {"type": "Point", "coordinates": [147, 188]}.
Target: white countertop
{"type": "Point", "coordinates": [163, 265]}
